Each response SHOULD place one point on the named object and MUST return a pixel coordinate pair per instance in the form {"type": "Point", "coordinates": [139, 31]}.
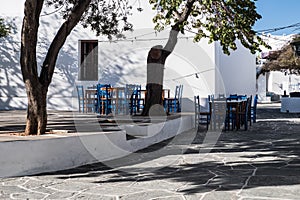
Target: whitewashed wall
{"type": "Point", "coordinates": [262, 89]}
{"type": "Point", "coordinates": [280, 82]}
{"type": "Point", "coordinates": [237, 71]}
{"type": "Point", "coordinates": [123, 62]}
{"type": "Point", "coordinates": [12, 91]}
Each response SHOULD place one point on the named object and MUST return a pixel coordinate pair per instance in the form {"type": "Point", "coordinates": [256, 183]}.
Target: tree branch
{"type": "Point", "coordinates": [176, 28]}
{"type": "Point", "coordinates": [59, 40]}
{"type": "Point", "coordinates": [29, 37]}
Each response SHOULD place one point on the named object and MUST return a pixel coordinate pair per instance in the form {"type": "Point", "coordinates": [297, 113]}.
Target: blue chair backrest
{"type": "Point", "coordinates": [232, 97]}
{"type": "Point", "coordinates": [242, 97]}
{"type": "Point", "coordinates": [103, 96]}
{"type": "Point", "coordinates": [132, 89]}
{"type": "Point", "coordinates": [80, 91]}
{"type": "Point", "coordinates": [178, 91]}
{"type": "Point", "coordinates": [102, 90]}
{"type": "Point", "coordinates": [80, 95]}
{"type": "Point", "coordinates": [178, 95]}
{"type": "Point", "coordinates": [255, 100]}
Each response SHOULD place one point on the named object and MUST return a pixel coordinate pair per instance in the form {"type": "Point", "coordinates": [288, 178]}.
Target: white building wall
{"type": "Point", "coordinates": [121, 62]}
{"type": "Point", "coordinates": [237, 72]}
{"type": "Point", "coordinates": [12, 90]}
{"type": "Point", "coordinates": [279, 82]}
{"type": "Point", "coordinates": [12, 8]}
{"type": "Point", "coordinates": [262, 89]}
{"type": "Point", "coordinates": [125, 62]}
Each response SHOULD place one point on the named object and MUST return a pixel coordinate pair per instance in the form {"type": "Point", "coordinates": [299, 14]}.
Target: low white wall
{"type": "Point", "coordinates": [43, 155]}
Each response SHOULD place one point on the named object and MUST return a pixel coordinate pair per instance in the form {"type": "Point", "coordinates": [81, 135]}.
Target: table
{"type": "Point", "coordinates": [119, 102]}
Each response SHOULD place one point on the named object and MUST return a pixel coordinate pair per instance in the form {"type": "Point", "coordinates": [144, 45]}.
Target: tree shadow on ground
{"type": "Point", "coordinates": [266, 155]}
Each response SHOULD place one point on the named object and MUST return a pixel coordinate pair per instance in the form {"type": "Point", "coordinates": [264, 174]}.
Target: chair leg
{"type": "Point", "coordinates": [207, 124]}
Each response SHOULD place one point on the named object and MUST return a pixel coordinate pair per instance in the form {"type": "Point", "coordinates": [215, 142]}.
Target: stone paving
{"type": "Point", "coordinates": [262, 163]}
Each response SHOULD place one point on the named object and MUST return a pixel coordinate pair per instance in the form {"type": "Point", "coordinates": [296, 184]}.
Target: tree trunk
{"type": "Point", "coordinates": [156, 62]}
{"type": "Point", "coordinates": [155, 73]}
{"type": "Point", "coordinates": [153, 97]}
{"type": "Point", "coordinates": [37, 85]}
{"type": "Point", "coordinates": [36, 121]}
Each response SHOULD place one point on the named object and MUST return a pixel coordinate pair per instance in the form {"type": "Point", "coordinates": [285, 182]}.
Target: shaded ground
{"type": "Point", "coordinates": [261, 163]}
{"type": "Point", "coordinates": [67, 121]}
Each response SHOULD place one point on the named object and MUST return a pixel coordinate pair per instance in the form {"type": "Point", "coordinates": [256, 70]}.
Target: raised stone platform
{"type": "Point", "coordinates": [36, 154]}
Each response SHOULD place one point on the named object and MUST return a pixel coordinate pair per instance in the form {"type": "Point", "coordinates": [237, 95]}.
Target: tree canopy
{"type": "Point", "coordinates": [103, 17]}
{"type": "Point", "coordinates": [284, 59]}
{"type": "Point", "coordinates": [223, 20]}
{"type": "Point", "coordinates": [4, 28]}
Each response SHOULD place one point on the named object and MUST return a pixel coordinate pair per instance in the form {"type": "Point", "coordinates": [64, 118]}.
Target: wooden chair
{"type": "Point", "coordinates": [218, 114]}
{"type": "Point", "coordinates": [232, 97]}
{"type": "Point", "coordinates": [80, 96]}
{"type": "Point", "coordinates": [253, 109]}
{"type": "Point", "coordinates": [174, 104]}
{"type": "Point", "coordinates": [249, 110]}
{"type": "Point", "coordinates": [201, 116]}
{"type": "Point", "coordinates": [244, 113]}
{"type": "Point", "coordinates": [90, 100]}
{"type": "Point", "coordinates": [133, 100]}
{"type": "Point", "coordinates": [118, 100]}
{"type": "Point", "coordinates": [104, 98]}
{"type": "Point", "coordinates": [231, 113]}
{"type": "Point", "coordinates": [136, 102]}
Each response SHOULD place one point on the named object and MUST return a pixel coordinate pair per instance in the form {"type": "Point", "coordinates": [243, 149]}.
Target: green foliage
{"type": "Point", "coordinates": [218, 20]}
{"type": "Point", "coordinates": [4, 28]}
{"type": "Point", "coordinates": [104, 17]}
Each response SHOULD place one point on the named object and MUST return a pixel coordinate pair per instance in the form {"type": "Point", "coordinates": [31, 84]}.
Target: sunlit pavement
{"type": "Point", "coordinates": [261, 163]}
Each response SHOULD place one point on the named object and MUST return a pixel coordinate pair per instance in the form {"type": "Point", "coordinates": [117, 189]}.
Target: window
{"type": "Point", "coordinates": [88, 59]}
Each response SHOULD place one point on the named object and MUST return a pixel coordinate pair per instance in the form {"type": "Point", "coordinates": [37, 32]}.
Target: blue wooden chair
{"type": "Point", "coordinates": [174, 104]}
{"type": "Point", "coordinates": [232, 97]}
{"type": "Point", "coordinates": [80, 96]}
{"type": "Point", "coordinates": [104, 99]}
{"type": "Point", "coordinates": [253, 109]}
{"type": "Point", "coordinates": [133, 99]}
{"type": "Point", "coordinates": [136, 101]}
{"type": "Point", "coordinates": [242, 97]}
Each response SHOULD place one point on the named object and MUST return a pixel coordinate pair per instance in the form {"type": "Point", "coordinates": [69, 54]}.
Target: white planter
{"type": "Point", "coordinates": [290, 104]}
